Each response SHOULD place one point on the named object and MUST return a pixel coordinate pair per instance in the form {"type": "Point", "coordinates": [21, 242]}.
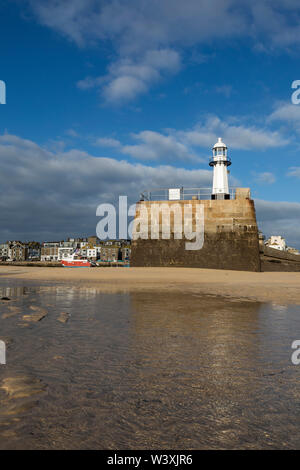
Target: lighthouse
{"type": "Point", "coordinates": [220, 161]}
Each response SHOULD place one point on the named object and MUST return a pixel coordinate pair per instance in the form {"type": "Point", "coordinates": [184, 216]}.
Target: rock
{"type": "Point", "coordinates": [39, 314]}
{"type": "Point", "coordinates": [35, 308]}
{"type": "Point", "coordinates": [35, 317]}
{"type": "Point", "coordinates": [63, 317]}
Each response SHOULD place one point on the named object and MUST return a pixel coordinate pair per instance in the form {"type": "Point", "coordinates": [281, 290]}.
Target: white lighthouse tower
{"type": "Point", "coordinates": [220, 161]}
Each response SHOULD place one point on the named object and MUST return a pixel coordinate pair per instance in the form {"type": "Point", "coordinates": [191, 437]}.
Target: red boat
{"type": "Point", "coordinates": [70, 262]}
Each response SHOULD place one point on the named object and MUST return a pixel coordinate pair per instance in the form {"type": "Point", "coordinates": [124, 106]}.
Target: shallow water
{"type": "Point", "coordinates": [145, 370]}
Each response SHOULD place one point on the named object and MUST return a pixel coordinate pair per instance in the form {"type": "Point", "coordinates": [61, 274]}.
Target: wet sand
{"type": "Point", "coordinates": [280, 287]}
{"type": "Point", "coordinates": [145, 370]}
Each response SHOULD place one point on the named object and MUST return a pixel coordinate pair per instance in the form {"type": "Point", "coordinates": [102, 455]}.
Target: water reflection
{"type": "Point", "coordinates": [146, 370]}
{"type": "Point", "coordinates": [15, 291]}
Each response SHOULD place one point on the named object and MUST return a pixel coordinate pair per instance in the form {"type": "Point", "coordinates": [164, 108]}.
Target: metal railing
{"type": "Point", "coordinates": [219, 159]}
{"type": "Point", "coordinates": [162, 194]}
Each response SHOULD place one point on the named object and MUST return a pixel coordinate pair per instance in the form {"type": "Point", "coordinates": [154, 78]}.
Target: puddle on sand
{"type": "Point", "coordinates": [145, 371]}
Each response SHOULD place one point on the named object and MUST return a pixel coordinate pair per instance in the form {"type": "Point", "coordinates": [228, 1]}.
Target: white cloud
{"type": "Point", "coordinates": [294, 171]}
{"type": "Point", "coordinates": [52, 195]}
{"type": "Point", "coordinates": [107, 142]}
{"type": "Point", "coordinates": [129, 77]}
{"type": "Point", "coordinates": [123, 88]}
{"type": "Point", "coordinates": [225, 90]}
{"type": "Point", "coordinates": [90, 82]}
{"type": "Point", "coordinates": [137, 25]}
{"type": "Point", "coordinates": [156, 146]}
{"type": "Point", "coordinates": [135, 28]}
{"type": "Point", "coordinates": [173, 145]}
{"type": "Point", "coordinates": [286, 112]}
{"type": "Point", "coordinates": [265, 178]}
{"type": "Point", "coordinates": [72, 19]}
{"type": "Point", "coordinates": [278, 21]}
{"type": "Point", "coordinates": [204, 134]}
{"type": "Point", "coordinates": [71, 133]}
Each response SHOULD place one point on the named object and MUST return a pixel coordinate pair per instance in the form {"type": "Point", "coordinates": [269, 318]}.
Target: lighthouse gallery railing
{"type": "Point", "coordinates": [162, 194]}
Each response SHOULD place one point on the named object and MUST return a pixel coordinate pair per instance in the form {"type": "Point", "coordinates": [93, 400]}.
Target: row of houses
{"type": "Point", "coordinates": [87, 248]}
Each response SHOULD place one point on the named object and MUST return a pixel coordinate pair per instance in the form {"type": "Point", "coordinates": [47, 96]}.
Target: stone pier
{"type": "Point", "coordinates": [230, 235]}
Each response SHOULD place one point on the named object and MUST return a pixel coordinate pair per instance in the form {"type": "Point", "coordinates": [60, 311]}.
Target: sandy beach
{"type": "Point", "coordinates": [277, 287]}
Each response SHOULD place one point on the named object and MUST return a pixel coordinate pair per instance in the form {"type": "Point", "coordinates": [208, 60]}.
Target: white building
{"type": "Point", "coordinates": [220, 161]}
{"type": "Point", "coordinates": [91, 253]}
{"type": "Point", "coordinates": [292, 250]}
{"type": "Point", "coordinates": [4, 250]}
{"type": "Point", "coordinates": [98, 251]}
{"type": "Point", "coordinates": [277, 242]}
{"type": "Point", "coordinates": [49, 251]}
{"type": "Point", "coordinates": [65, 252]}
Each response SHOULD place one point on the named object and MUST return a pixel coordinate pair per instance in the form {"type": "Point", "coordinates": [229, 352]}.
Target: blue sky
{"type": "Point", "coordinates": [107, 98]}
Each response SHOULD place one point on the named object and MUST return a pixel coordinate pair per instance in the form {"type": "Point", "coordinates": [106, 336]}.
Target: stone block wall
{"type": "Point", "coordinates": [276, 260]}
{"type": "Point", "coordinates": [230, 235]}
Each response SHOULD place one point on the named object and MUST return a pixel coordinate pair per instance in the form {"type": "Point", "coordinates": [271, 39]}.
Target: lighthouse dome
{"type": "Point", "coordinates": [219, 144]}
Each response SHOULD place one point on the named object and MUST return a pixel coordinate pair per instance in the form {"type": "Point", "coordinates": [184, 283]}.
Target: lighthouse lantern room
{"type": "Point", "coordinates": [220, 161]}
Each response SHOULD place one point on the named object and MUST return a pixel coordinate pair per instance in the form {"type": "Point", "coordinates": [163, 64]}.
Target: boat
{"type": "Point", "coordinates": [72, 262]}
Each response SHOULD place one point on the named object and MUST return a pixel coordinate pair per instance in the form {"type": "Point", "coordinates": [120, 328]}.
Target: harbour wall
{"type": "Point", "coordinates": [276, 260]}
{"type": "Point", "coordinates": [230, 235]}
